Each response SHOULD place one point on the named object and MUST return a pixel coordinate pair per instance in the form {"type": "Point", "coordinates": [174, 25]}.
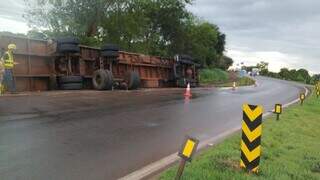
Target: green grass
{"type": "Point", "coordinates": [243, 81]}
{"type": "Point", "coordinates": [212, 76]}
{"type": "Point", "coordinates": [220, 78]}
{"type": "Point", "coordinates": [290, 150]}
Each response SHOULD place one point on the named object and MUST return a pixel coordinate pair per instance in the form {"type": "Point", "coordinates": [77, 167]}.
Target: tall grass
{"type": "Point", "coordinates": [213, 75]}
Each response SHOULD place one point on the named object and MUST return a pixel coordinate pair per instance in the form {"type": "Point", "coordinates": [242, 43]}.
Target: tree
{"type": "Point", "coordinates": [7, 33]}
{"type": "Point", "coordinates": [157, 27]}
{"type": "Point", "coordinates": [293, 75]}
{"type": "Point", "coordinates": [304, 73]}
{"type": "Point", "coordinates": [284, 73]}
{"type": "Point", "coordinates": [201, 41]}
{"type": "Point", "coordinates": [76, 17]}
{"type": "Point", "coordinates": [118, 21]}
{"type": "Point", "coordinates": [225, 62]}
{"type": "Point", "coordinates": [36, 34]}
{"type": "Point", "coordinates": [315, 79]}
{"type": "Point", "coordinates": [263, 67]}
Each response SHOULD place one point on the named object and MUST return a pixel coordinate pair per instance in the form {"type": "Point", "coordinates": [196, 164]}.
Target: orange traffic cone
{"type": "Point", "coordinates": [188, 91]}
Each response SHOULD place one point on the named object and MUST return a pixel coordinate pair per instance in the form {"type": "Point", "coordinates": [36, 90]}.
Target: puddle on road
{"type": "Point", "coordinates": [18, 117]}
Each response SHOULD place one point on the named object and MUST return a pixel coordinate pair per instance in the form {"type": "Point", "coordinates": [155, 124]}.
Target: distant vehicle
{"type": "Point", "coordinates": [255, 72]}
{"type": "Point", "coordinates": [242, 73]}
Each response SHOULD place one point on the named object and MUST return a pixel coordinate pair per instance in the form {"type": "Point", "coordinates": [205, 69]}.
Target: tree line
{"type": "Point", "coordinates": [155, 27]}
{"type": "Point", "coordinates": [300, 75]}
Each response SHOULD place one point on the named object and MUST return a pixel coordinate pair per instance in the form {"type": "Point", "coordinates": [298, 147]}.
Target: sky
{"type": "Point", "coordinates": [284, 33]}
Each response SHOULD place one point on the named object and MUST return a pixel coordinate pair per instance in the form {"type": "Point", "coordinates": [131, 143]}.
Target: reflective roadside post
{"type": "Point", "coordinates": [302, 98]}
{"type": "Point", "coordinates": [188, 149]}
{"type": "Point", "coordinates": [278, 110]}
{"type": "Point", "coordinates": [251, 137]}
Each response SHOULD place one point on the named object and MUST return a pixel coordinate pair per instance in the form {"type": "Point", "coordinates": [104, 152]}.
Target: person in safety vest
{"type": "Point", "coordinates": [8, 63]}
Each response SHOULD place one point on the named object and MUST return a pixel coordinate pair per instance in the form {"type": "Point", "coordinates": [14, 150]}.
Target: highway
{"type": "Point", "coordinates": [107, 135]}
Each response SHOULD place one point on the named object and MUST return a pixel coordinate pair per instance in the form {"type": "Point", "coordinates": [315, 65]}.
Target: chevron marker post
{"type": "Point", "coordinates": [251, 137]}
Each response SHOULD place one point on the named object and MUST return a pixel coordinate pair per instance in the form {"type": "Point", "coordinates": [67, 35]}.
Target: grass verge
{"type": "Point", "coordinates": [290, 150]}
{"type": "Point", "coordinates": [220, 78]}
{"type": "Point", "coordinates": [243, 81]}
{"type": "Point", "coordinates": [213, 76]}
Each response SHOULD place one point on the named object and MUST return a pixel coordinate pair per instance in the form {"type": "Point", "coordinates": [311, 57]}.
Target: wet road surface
{"type": "Point", "coordinates": [106, 135]}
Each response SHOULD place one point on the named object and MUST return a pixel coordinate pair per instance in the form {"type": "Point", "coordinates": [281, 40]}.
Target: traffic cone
{"type": "Point", "coordinates": [188, 91]}
{"type": "Point", "coordinates": [234, 86]}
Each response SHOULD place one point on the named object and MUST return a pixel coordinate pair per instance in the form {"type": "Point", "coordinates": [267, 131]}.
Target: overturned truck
{"type": "Point", "coordinates": [65, 64]}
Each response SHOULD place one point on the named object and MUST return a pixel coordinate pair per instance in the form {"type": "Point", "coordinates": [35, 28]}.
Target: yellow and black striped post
{"type": "Point", "coordinates": [302, 98]}
{"type": "Point", "coordinates": [251, 137]}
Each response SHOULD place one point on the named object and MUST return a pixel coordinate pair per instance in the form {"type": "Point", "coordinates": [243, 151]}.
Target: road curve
{"type": "Point", "coordinates": [106, 135]}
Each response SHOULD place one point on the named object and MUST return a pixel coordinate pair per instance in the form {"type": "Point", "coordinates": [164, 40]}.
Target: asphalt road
{"type": "Point", "coordinates": [106, 135]}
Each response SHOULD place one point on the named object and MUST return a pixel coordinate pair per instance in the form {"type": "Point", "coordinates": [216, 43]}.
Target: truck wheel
{"type": "Point", "coordinates": [110, 81]}
{"type": "Point", "coordinates": [186, 57]}
{"type": "Point", "coordinates": [132, 80]}
{"type": "Point", "coordinates": [70, 79]}
{"type": "Point", "coordinates": [68, 40]}
{"type": "Point", "coordinates": [110, 47]}
{"type": "Point", "coordinates": [53, 83]}
{"type": "Point", "coordinates": [102, 80]}
{"type": "Point", "coordinates": [71, 86]}
{"type": "Point", "coordinates": [68, 48]}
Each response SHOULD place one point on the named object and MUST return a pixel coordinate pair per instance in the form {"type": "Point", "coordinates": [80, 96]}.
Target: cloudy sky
{"type": "Point", "coordinates": [284, 33]}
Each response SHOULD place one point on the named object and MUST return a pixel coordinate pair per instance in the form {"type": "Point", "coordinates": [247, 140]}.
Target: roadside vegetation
{"type": "Point", "coordinates": [300, 75]}
{"type": "Point", "coordinates": [221, 78]}
{"type": "Point", "coordinates": [290, 150]}
{"type": "Point", "coordinates": [158, 27]}
{"type": "Point", "coordinates": [240, 81]}
{"type": "Point", "coordinates": [213, 76]}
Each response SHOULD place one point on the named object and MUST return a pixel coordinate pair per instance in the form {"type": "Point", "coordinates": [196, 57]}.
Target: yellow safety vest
{"type": "Point", "coordinates": [8, 60]}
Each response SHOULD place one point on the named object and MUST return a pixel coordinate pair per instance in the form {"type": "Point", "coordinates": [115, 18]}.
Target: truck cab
{"type": "Point", "coordinates": [185, 71]}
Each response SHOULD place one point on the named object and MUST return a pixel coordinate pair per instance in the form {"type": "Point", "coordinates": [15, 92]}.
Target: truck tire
{"type": "Point", "coordinates": [110, 47]}
{"type": "Point", "coordinates": [186, 57]}
{"type": "Point", "coordinates": [70, 79]}
{"type": "Point", "coordinates": [102, 80]}
{"type": "Point", "coordinates": [132, 79]}
{"type": "Point", "coordinates": [68, 40]}
{"type": "Point", "coordinates": [68, 48]}
{"type": "Point", "coordinates": [109, 53]}
{"type": "Point", "coordinates": [71, 86]}
{"type": "Point", "coordinates": [53, 83]}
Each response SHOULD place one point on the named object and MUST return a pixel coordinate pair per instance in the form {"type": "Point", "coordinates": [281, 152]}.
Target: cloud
{"type": "Point", "coordinates": [11, 16]}
{"type": "Point", "coordinates": [13, 25]}
{"type": "Point", "coordinates": [275, 59]}
{"type": "Point", "coordinates": [286, 27]}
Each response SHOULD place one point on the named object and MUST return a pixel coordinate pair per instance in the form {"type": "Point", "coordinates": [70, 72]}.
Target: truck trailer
{"type": "Point", "coordinates": [65, 64]}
